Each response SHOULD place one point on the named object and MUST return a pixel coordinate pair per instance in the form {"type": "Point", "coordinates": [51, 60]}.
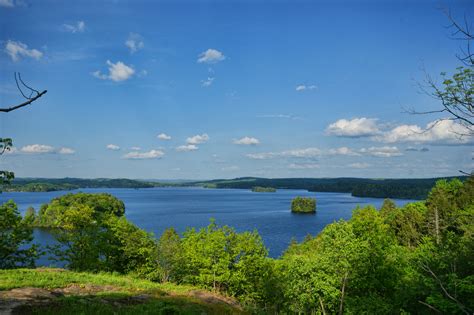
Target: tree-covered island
{"type": "Point", "coordinates": [303, 205]}
{"type": "Point", "coordinates": [263, 189]}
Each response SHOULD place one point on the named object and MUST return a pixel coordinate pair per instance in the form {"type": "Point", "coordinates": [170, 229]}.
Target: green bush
{"type": "Point", "coordinates": [303, 205]}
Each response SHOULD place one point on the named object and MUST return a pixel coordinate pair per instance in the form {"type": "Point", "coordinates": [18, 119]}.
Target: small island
{"type": "Point", "coordinates": [263, 189]}
{"type": "Point", "coordinates": [303, 205]}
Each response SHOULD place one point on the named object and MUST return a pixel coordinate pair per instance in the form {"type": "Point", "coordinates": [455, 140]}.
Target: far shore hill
{"type": "Point", "coordinates": [399, 188]}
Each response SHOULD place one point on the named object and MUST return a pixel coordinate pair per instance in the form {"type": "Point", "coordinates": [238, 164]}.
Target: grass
{"type": "Point", "coordinates": [160, 298]}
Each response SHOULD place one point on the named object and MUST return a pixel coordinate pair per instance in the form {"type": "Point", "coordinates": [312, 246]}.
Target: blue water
{"type": "Point", "coordinates": [155, 209]}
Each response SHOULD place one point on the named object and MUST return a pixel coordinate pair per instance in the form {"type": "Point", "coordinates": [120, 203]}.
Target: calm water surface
{"type": "Point", "coordinates": [155, 209]}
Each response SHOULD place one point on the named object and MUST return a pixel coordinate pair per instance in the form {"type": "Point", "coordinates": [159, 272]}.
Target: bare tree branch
{"type": "Point", "coordinates": [31, 100]}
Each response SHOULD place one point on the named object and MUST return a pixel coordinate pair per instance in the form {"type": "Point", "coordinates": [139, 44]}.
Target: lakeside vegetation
{"type": "Point", "coordinates": [263, 189]}
{"type": "Point", "coordinates": [303, 205]}
{"type": "Point", "coordinates": [413, 188]}
{"type": "Point", "coordinates": [414, 259]}
{"type": "Point", "coordinates": [57, 184]}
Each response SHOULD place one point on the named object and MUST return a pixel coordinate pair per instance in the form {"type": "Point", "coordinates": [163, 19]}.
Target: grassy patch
{"type": "Point", "coordinates": [111, 294]}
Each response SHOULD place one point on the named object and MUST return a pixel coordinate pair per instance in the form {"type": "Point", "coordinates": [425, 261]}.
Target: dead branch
{"type": "Point", "coordinates": [29, 99]}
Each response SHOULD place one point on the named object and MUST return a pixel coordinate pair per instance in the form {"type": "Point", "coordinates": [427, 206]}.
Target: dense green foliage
{"type": "Point", "coordinates": [415, 259]}
{"type": "Point", "coordinates": [263, 189]}
{"type": "Point", "coordinates": [359, 187]}
{"type": "Point", "coordinates": [15, 237]}
{"type": "Point", "coordinates": [303, 205]}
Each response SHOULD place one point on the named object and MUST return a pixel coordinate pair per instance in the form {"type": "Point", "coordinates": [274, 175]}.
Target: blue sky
{"type": "Point", "coordinates": [235, 88]}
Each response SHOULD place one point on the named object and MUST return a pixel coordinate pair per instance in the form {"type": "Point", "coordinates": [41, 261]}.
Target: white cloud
{"type": "Point", "coordinates": [385, 151]}
{"type": "Point", "coordinates": [18, 49]}
{"type": "Point", "coordinates": [66, 151]}
{"type": "Point", "coordinates": [306, 166]}
{"type": "Point", "coordinates": [7, 3]}
{"type": "Point", "coordinates": [247, 141]}
{"type": "Point", "coordinates": [208, 82]}
{"type": "Point", "coordinates": [163, 136]}
{"type": "Point", "coordinates": [134, 42]}
{"type": "Point", "coordinates": [37, 149]}
{"type": "Point", "coordinates": [342, 151]}
{"type": "Point", "coordinates": [436, 132]}
{"type": "Point", "coordinates": [113, 147]}
{"type": "Point", "coordinates": [78, 27]}
{"type": "Point", "coordinates": [198, 139]}
{"type": "Point", "coordinates": [186, 148]}
{"type": "Point", "coordinates": [303, 87]}
{"type": "Point", "coordinates": [152, 154]}
{"type": "Point", "coordinates": [359, 165]}
{"type": "Point", "coordinates": [297, 153]}
{"type": "Point", "coordinates": [211, 56]}
{"type": "Point", "coordinates": [117, 72]}
{"type": "Point", "coordinates": [357, 127]}
{"type": "Point", "coordinates": [135, 148]}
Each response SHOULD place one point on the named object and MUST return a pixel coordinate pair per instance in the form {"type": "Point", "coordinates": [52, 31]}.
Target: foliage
{"type": "Point", "coordinates": [15, 235]}
{"type": "Point", "coordinates": [303, 205]}
{"type": "Point", "coordinates": [418, 258]}
{"type": "Point", "coordinates": [221, 259]}
{"type": "Point", "coordinates": [101, 205]}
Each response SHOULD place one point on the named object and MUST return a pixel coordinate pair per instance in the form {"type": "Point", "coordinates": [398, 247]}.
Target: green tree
{"type": "Point", "coordinates": [170, 255]}
{"type": "Point", "coordinates": [15, 236]}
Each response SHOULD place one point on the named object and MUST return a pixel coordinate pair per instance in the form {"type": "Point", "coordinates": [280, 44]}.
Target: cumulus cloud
{"type": "Point", "coordinates": [305, 166]}
{"type": "Point", "coordinates": [152, 154]}
{"type": "Point", "coordinates": [37, 149]}
{"type": "Point", "coordinates": [208, 82]}
{"type": "Point", "coordinates": [296, 153]}
{"type": "Point", "coordinates": [198, 139]}
{"type": "Point", "coordinates": [117, 72]}
{"type": "Point", "coordinates": [186, 148]}
{"type": "Point", "coordinates": [385, 151]}
{"type": "Point", "coordinates": [303, 87]}
{"type": "Point", "coordinates": [163, 136]}
{"type": "Point", "coordinates": [112, 147]}
{"type": "Point", "coordinates": [66, 151]}
{"type": "Point", "coordinates": [342, 151]}
{"type": "Point", "coordinates": [135, 148]}
{"type": "Point", "coordinates": [134, 42]}
{"type": "Point", "coordinates": [7, 3]}
{"type": "Point", "coordinates": [357, 127]}
{"type": "Point", "coordinates": [17, 49]}
{"type": "Point", "coordinates": [211, 56]}
{"type": "Point", "coordinates": [436, 132]}
{"type": "Point", "coordinates": [78, 27]}
{"type": "Point", "coordinates": [247, 141]}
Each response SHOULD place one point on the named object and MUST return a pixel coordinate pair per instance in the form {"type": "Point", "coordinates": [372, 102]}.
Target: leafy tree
{"type": "Point", "coordinates": [15, 236]}
{"type": "Point", "coordinates": [221, 259]}
{"type": "Point", "coordinates": [131, 249]}
{"type": "Point", "coordinates": [408, 223]}
{"type": "Point", "coordinates": [170, 255]}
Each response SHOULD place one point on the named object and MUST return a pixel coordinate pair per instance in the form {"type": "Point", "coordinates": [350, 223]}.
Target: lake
{"type": "Point", "coordinates": [155, 209]}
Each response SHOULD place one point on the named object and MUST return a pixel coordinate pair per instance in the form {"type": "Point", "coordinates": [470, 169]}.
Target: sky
{"type": "Point", "coordinates": [224, 89]}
